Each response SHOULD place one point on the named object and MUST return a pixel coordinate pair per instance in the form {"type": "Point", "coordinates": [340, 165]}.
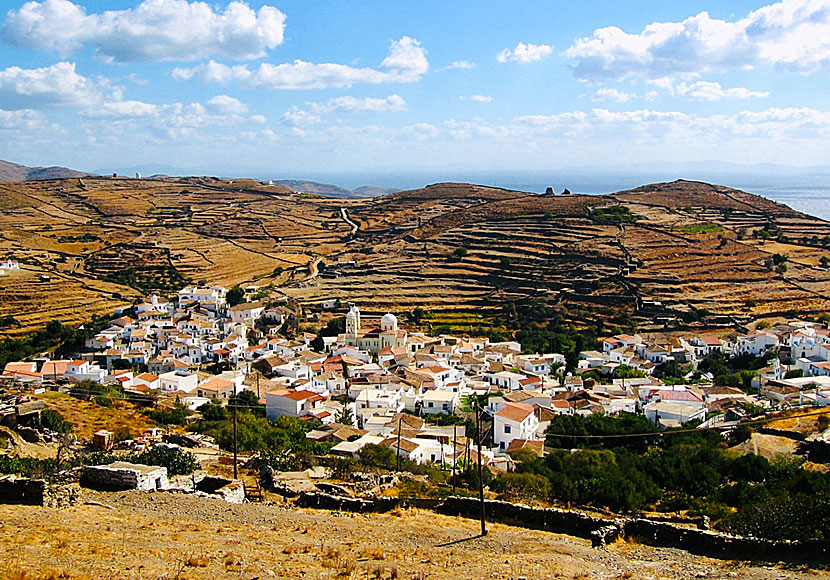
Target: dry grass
{"type": "Point", "coordinates": [87, 417]}
{"type": "Point", "coordinates": [236, 232]}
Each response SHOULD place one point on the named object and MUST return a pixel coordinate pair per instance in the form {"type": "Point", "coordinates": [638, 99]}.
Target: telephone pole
{"type": "Point", "coordinates": [454, 455]}
{"type": "Point", "coordinates": [480, 479]}
{"type": "Point", "coordinates": [398, 454]}
{"type": "Point", "coordinates": [234, 438]}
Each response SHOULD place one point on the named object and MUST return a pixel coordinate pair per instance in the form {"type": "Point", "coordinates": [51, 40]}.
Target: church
{"type": "Point", "coordinates": [372, 340]}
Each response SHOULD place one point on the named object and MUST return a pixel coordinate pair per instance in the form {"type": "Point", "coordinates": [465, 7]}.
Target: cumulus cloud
{"type": "Point", "coordinates": [792, 35]}
{"type": "Point", "coordinates": [525, 53]}
{"type": "Point", "coordinates": [405, 63]}
{"type": "Point", "coordinates": [353, 104]}
{"type": "Point", "coordinates": [297, 117]}
{"type": "Point", "coordinates": [57, 85]}
{"type": "Point", "coordinates": [25, 120]}
{"type": "Point", "coordinates": [606, 94]}
{"type": "Point", "coordinates": [169, 120]}
{"type": "Point", "coordinates": [312, 115]}
{"type": "Point", "coordinates": [227, 105]}
{"type": "Point", "coordinates": [155, 30]}
{"type": "Point", "coordinates": [711, 91]}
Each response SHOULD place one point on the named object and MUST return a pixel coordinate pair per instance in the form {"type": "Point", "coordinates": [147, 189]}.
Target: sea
{"type": "Point", "coordinates": [804, 191]}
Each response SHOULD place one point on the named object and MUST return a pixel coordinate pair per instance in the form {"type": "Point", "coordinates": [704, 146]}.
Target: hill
{"type": "Point", "coordinates": [14, 172]}
{"type": "Point", "coordinates": [463, 252]}
{"type": "Point", "coordinates": [313, 187]}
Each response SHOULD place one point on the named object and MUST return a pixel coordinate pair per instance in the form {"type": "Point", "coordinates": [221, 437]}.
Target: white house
{"type": "Point", "coordinates": [214, 296]}
{"type": "Point", "coordinates": [285, 403]}
{"type": "Point", "coordinates": [673, 414]}
{"type": "Point", "coordinates": [379, 399]}
{"type": "Point", "coordinates": [438, 401]}
{"type": "Point", "coordinates": [147, 380]}
{"type": "Point", "coordinates": [83, 370]}
{"type": "Point", "coordinates": [514, 421]}
{"type": "Point", "coordinates": [178, 381]}
{"type": "Point", "coordinates": [505, 380]}
{"type": "Point", "coordinates": [756, 343]}
{"type": "Point", "coordinates": [418, 450]}
{"type": "Point", "coordinates": [246, 313]}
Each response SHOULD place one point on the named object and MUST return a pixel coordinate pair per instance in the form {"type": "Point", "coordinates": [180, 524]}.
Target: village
{"type": "Point", "coordinates": [376, 383]}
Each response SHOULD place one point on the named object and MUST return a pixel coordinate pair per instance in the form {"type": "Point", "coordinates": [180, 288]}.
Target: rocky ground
{"type": "Point", "coordinates": [135, 535]}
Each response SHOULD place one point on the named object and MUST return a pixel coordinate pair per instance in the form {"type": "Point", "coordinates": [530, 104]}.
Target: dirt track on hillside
{"type": "Point", "coordinates": [163, 535]}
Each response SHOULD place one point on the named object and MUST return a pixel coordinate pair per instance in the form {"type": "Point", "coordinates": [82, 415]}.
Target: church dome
{"type": "Point", "coordinates": [389, 322]}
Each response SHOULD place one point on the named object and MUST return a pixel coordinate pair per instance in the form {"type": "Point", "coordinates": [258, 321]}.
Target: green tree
{"type": "Point", "coordinates": [177, 461]}
{"type": "Point", "coordinates": [521, 486]}
{"type": "Point", "coordinates": [235, 296]}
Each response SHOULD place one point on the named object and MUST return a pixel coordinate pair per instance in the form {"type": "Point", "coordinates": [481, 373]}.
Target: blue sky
{"type": "Point", "coordinates": [296, 87]}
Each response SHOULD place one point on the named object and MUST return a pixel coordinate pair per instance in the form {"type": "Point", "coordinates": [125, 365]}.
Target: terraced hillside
{"type": "Point", "coordinates": [460, 251]}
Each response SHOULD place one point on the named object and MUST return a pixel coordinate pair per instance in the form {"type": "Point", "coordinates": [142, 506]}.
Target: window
{"type": "Point", "coordinates": [429, 404]}
{"type": "Point", "coordinates": [507, 428]}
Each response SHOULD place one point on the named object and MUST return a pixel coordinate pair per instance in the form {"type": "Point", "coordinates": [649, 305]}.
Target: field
{"type": "Point", "coordinates": [460, 251]}
{"type": "Point", "coordinates": [152, 536]}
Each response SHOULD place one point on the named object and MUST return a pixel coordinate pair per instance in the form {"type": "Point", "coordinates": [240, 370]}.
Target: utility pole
{"type": "Point", "coordinates": [234, 438]}
{"type": "Point", "coordinates": [480, 479]}
{"type": "Point", "coordinates": [454, 455]}
{"type": "Point", "coordinates": [398, 454]}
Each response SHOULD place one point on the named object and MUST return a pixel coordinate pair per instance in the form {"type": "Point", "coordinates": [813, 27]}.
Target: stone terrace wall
{"type": "Point", "coordinates": [709, 543]}
{"type": "Point", "coordinates": [599, 530]}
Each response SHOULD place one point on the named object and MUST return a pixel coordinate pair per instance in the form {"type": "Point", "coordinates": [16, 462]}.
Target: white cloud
{"type": "Point", "coordinates": [353, 104]}
{"type": "Point", "coordinates": [792, 34]}
{"type": "Point", "coordinates": [711, 91]}
{"type": "Point", "coordinates": [478, 98]}
{"type": "Point", "coordinates": [525, 53]}
{"type": "Point", "coordinates": [24, 120]}
{"type": "Point", "coordinates": [57, 85]}
{"type": "Point", "coordinates": [606, 94]}
{"type": "Point", "coordinates": [297, 117]}
{"type": "Point", "coordinates": [169, 120]}
{"type": "Point", "coordinates": [155, 30]}
{"type": "Point", "coordinates": [405, 63]}
{"type": "Point", "coordinates": [462, 64]}
{"type": "Point", "coordinates": [227, 105]}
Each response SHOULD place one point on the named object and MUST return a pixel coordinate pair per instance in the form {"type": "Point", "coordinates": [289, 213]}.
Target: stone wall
{"type": "Point", "coordinates": [718, 545]}
{"type": "Point", "coordinates": [121, 476]}
{"type": "Point", "coordinates": [38, 492]}
{"type": "Point", "coordinates": [325, 501]}
{"type": "Point", "coordinates": [599, 530]}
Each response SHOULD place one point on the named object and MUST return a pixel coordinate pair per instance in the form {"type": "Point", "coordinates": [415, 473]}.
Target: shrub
{"type": "Point", "coordinates": [522, 486]}
{"type": "Point", "coordinates": [53, 420]}
{"type": "Point", "coordinates": [177, 461]}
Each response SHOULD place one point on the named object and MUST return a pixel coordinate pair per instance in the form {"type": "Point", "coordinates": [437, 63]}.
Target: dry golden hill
{"type": "Point", "coordinates": [87, 245]}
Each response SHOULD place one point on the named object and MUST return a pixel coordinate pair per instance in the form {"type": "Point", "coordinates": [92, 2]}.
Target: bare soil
{"type": "Point", "coordinates": [165, 535]}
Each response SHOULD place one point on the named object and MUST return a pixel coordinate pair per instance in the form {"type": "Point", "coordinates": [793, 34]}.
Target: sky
{"type": "Point", "coordinates": [292, 88]}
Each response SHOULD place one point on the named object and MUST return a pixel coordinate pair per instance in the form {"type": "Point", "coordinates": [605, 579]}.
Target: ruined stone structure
{"type": "Point", "coordinates": [26, 491]}
{"type": "Point", "coordinates": [120, 476]}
